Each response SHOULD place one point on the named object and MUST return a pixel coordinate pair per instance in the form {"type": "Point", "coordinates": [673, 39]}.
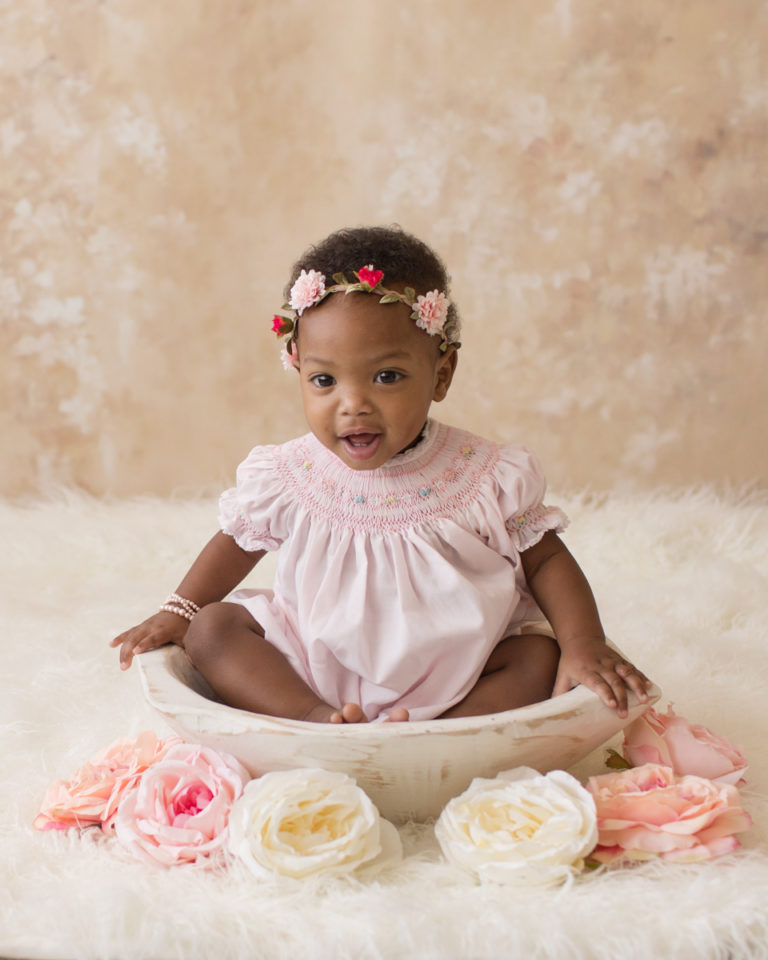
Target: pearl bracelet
{"type": "Point", "coordinates": [189, 605]}
{"type": "Point", "coordinates": [178, 611]}
{"type": "Point", "coordinates": [180, 606]}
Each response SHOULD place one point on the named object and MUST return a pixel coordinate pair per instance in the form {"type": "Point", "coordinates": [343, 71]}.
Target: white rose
{"type": "Point", "coordinates": [522, 828]}
{"type": "Point", "coordinates": [300, 822]}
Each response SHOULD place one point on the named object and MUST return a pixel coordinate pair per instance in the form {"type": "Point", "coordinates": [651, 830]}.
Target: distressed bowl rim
{"type": "Point", "coordinates": [166, 691]}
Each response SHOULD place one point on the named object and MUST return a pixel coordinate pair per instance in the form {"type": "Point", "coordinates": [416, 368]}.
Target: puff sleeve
{"type": "Point", "coordinates": [253, 510]}
{"type": "Point", "coordinates": [520, 489]}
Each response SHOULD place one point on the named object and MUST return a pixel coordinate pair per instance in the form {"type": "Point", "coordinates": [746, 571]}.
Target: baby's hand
{"type": "Point", "coordinates": [156, 631]}
{"type": "Point", "coordinates": [592, 662]}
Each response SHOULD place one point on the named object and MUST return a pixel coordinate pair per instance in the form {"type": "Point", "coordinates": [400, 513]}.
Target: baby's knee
{"type": "Point", "coordinates": [207, 629]}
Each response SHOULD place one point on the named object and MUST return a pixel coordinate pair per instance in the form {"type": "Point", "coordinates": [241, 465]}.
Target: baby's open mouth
{"type": "Point", "coordinates": [361, 446]}
{"type": "Point", "coordinates": [361, 439]}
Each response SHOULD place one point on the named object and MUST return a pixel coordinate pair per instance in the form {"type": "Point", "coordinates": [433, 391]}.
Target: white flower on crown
{"type": "Point", "coordinates": [308, 290]}
{"type": "Point", "coordinates": [431, 311]}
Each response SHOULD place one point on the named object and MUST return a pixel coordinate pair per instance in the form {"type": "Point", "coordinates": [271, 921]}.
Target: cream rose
{"type": "Point", "coordinates": [521, 828]}
{"type": "Point", "coordinates": [295, 823]}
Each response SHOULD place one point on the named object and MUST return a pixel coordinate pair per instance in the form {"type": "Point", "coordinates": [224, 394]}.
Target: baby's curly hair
{"type": "Point", "coordinates": [402, 257]}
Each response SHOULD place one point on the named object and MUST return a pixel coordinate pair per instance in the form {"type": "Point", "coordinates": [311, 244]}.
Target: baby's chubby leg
{"type": "Point", "coordinates": [229, 649]}
{"type": "Point", "coordinates": [520, 670]}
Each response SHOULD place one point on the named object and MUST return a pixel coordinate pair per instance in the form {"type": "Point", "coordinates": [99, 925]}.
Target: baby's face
{"type": "Point", "coordinates": [368, 377]}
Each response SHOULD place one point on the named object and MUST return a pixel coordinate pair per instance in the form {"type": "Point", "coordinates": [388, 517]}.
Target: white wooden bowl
{"type": "Point", "coordinates": [409, 770]}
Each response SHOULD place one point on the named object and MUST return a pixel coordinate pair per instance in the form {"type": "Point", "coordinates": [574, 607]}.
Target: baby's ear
{"type": "Point", "coordinates": [446, 367]}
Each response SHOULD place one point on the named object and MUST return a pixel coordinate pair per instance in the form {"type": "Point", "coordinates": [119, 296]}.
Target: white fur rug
{"type": "Point", "coordinates": [682, 582]}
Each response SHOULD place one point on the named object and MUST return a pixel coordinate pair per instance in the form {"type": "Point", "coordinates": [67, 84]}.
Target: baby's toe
{"type": "Point", "coordinates": [353, 713]}
{"type": "Point", "coordinates": [398, 715]}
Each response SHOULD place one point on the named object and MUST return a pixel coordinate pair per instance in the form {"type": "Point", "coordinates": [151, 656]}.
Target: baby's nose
{"type": "Point", "coordinates": [355, 400]}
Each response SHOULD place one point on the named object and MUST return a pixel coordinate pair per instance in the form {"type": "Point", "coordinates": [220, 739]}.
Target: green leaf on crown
{"type": "Point", "coordinates": [340, 278]}
{"type": "Point", "coordinates": [390, 298]}
{"type": "Point", "coordinates": [410, 293]}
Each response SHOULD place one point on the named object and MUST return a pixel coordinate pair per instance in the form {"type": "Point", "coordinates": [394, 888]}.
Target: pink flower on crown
{"type": "Point", "coordinates": [290, 360]}
{"type": "Point", "coordinates": [370, 276]}
{"type": "Point", "coordinates": [308, 290]}
{"type": "Point", "coordinates": [432, 311]}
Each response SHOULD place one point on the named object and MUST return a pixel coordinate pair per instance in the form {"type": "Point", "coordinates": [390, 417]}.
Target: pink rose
{"type": "Point", "coordinates": [370, 276]}
{"type": "Point", "coordinates": [432, 311]}
{"type": "Point", "coordinates": [648, 812]}
{"type": "Point", "coordinates": [92, 795]}
{"type": "Point", "coordinates": [308, 290]}
{"type": "Point", "coordinates": [179, 813]}
{"type": "Point", "coordinates": [688, 748]}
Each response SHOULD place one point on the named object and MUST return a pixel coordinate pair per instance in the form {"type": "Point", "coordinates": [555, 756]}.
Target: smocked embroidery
{"type": "Point", "coordinates": [453, 484]}
{"type": "Point", "coordinates": [533, 524]}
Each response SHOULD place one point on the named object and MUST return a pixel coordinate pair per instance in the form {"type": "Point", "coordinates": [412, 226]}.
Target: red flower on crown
{"type": "Point", "coordinates": [280, 325]}
{"type": "Point", "coordinates": [370, 276]}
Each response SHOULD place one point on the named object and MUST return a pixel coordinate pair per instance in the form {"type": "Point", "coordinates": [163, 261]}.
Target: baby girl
{"type": "Point", "coordinates": [420, 573]}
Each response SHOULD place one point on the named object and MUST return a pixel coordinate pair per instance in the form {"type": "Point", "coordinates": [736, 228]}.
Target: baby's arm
{"type": "Point", "coordinates": [559, 587]}
{"type": "Point", "coordinates": [218, 569]}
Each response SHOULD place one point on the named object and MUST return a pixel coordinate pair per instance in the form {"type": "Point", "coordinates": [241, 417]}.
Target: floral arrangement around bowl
{"type": "Point", "coordinates": [672, 795]}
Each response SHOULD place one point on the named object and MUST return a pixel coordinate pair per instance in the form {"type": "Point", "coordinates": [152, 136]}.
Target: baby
{"type": "Point", "coordinates": [420, 574]}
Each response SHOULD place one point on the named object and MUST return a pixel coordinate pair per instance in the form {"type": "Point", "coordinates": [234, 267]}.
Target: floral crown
{"type": "Point", "coordinates": [430, 311]}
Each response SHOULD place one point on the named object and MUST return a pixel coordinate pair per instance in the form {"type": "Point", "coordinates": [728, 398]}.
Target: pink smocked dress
{"type": "Point", "coordinates": [393, 585]}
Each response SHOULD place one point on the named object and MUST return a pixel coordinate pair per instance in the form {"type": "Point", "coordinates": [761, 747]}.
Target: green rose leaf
{"type": "Point", "coordinates": [615, 761]}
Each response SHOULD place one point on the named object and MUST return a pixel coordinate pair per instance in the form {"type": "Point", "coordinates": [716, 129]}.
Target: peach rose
{"type": "Point", "coordinates": [179, 812]}
{"type": "Point", "coordinates": [648, 812]}
{"type": "Point", "coordinates": [91, 796]}
{"type": "Point", "coordinates": [671, 741]}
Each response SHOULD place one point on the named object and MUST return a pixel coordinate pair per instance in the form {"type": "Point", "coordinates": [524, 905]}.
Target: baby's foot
{"type": "Point", "coordinates": [325, 713]}
{"type": "Point", "coordinates": [398, 715]}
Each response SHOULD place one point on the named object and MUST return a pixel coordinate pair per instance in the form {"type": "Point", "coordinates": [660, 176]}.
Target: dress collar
{"type": "Point", "coordinates": [406, 458]}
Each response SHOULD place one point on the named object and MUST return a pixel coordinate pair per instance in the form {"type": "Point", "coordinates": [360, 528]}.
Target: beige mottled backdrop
{"type": "Point", "coordinates": [594, 173]}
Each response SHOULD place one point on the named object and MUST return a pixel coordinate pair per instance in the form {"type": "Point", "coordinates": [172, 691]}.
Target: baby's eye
{"type": "Point", "coordinates": [322, 380]}
{"type": "Point", "coordinates": [388, 376]}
